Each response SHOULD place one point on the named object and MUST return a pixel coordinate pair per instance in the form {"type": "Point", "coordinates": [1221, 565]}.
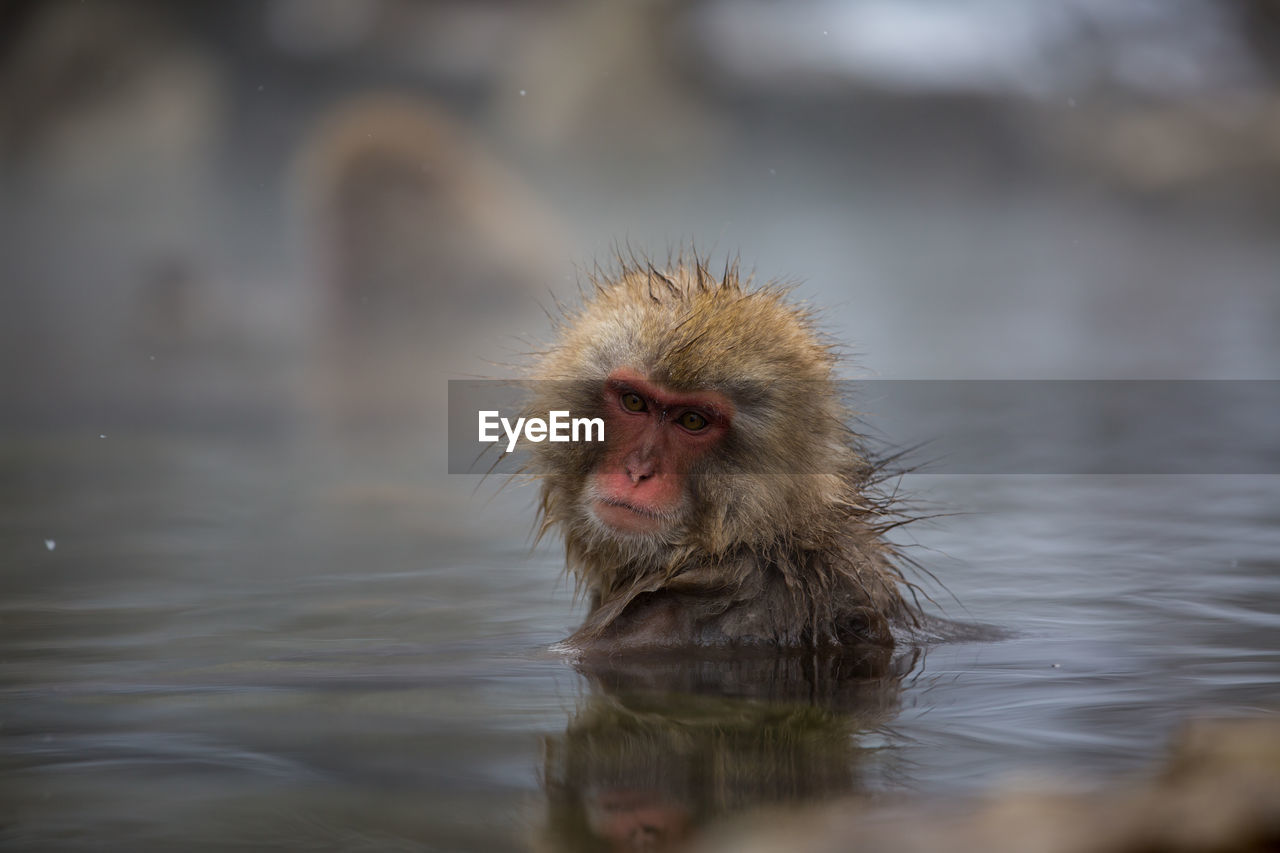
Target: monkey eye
{"type": "Point", "coordinates": [692, 421]}
{"type": "Point", "coordinates": [632, 402]}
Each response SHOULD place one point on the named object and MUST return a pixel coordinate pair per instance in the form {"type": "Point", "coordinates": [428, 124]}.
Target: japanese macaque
{"type": "Point", "coordinates": [416, 232]}
{"type": "Point", "coordinates": [730, 503]}
{"type": "Point", "coordinates": [417, 240]}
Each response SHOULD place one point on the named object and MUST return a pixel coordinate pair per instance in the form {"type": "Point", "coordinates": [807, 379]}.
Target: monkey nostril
{"type": "Point", "coordinates": [639, 470]}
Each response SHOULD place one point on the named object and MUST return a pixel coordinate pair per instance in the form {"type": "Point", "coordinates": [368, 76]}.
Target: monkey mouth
{"type": "Point", "coordinates": [623, 517]}
{"type": "Point", "coordinates": [647, 513]}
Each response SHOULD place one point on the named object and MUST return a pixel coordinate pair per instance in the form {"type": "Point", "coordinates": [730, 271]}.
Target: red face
{"type": "Point", "coordinates": [655, 436]}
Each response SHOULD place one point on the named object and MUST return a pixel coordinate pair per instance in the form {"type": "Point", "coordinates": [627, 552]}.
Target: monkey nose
{"type": "Point", "coordinates": [639, 469]}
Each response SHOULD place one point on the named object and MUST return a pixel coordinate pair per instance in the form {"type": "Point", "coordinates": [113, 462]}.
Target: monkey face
{"type": "Point", "coordinates": [656, 435]}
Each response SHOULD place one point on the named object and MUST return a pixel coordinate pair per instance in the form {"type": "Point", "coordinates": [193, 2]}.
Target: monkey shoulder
{"type": "Point", "coordinates": [780, 598]}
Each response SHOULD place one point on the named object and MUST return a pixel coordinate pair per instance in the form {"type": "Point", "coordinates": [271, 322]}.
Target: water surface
{"type": "Point", "coordinates": [259, 640]}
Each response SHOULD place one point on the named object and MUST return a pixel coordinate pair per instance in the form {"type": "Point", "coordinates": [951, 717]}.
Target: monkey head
{"type": "Point", "coordinates": [722, 425]}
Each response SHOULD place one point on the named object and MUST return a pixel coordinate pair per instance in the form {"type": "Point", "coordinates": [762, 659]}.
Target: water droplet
{"type": "Point", "coordinates": [49, 544]}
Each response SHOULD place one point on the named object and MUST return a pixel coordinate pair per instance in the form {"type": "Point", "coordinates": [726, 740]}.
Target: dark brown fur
{"type": "Point", "coordinates": [780, 544]}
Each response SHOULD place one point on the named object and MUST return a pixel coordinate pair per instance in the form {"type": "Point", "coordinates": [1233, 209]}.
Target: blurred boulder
{"type": "Point", "coordinates": [98, 96]}
{"type": "Point", "coordinates": [1218, 790]}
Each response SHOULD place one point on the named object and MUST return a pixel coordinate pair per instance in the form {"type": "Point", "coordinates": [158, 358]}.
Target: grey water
{"type": "Point", "coordinates": [216, 640]}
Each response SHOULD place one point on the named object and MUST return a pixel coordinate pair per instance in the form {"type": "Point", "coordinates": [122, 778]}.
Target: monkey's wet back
{"type": "Point", "coordinates": [230, 641]}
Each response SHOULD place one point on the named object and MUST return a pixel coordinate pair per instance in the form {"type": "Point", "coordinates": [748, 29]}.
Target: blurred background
{"type": "Point", "coordinates": [981, 189]}
{"type": "Point", "coordinates": [246, 245]}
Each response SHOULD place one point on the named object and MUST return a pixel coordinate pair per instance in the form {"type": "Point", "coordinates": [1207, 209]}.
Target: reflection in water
{"type": "Point", "coordinates": [661, 746]}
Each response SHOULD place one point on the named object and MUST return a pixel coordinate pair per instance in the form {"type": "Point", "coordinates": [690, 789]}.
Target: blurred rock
{"type": "Point", "coordinates": [96, 95]}
{"type": "Point", "coordinates": [458, 41]}
{"type": "Point", "coordinates": [1219, 790]}
{"type": "Point", "coordinates": [595, 76]}
{"type": "Point", "coordinates": [1177, 147]}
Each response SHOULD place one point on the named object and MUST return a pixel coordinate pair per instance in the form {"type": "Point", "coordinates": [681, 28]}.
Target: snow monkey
{"type": "Point", "coordinates": [730, 503]}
